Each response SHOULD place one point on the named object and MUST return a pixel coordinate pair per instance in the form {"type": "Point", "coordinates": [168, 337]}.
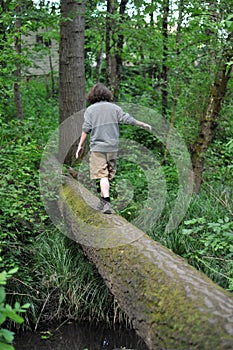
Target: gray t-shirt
{"type": "Point", "coordinates": [102, 121]}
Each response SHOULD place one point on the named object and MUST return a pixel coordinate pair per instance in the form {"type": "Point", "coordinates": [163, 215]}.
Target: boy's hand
{"type": "Point", "coordinates": [78, 151]}
{"type": "Point", "coordinates": [147, 126]}
{"type": "Point", "coordinates": [144, 125]}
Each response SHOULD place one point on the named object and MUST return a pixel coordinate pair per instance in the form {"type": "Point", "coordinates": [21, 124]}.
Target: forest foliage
{"type": "Point", "coordinates": [171, 56]}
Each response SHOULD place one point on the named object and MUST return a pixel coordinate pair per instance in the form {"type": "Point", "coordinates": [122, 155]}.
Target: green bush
{"type": "Point", "coordinates": [8, 312]}
{"type": "Point", "coordinates": [204, 238]}
{"type": "Point", "coordinates": [63, 283]}
{"type": "Point", "coordinates": [22, 213]}
{"type": "Point", "coordinates": [212, 248]}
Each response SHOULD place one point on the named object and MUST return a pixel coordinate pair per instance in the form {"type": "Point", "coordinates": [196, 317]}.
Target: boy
{"type": "Point", "coordinates": [101, 120]}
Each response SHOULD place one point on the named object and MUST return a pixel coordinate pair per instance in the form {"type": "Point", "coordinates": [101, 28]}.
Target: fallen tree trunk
{"type": "Point", "coordinates": [171, 304]}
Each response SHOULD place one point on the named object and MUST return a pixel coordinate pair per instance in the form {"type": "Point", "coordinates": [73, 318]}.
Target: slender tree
{"type": "Point", "coordinates": [110, 25]}
{"type": "Point", "coordinates": [164, 75]}
{"type": "Point", "coordinates": [177, 75]}
{"type": "Point", "coordinates": [119, 48]}
{"type": "Point", "coordinates": [178, 39]}
{"type": "Point", "coordinates": [114, 44]}
{"type": "Point", "coordinates": [71, 68]}
{"type": "Point", "coordinates": [209, 119]}
{"type": "Point", "coordinates": [18, 49]}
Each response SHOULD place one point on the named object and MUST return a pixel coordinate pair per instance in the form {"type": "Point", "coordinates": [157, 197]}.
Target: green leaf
{"type": "Point", "coordinates": [3, 277]}
{"type": "Point", "coordinates": [8, 335]}
{"type": "Point", "coordinates": [19, 308]}
{"type": "Point", "coordinates": [9, 312]}
{"type": "Point", "coordinates": [12, 271]}
{"type": "Point", "coordinates": [2, 295]}
{"type": "Point", "coordinates": [17, 305]}
{"type": "Point", "coordinates": [2, 318]}
{"type": "Point", "coordinates": [4, 346]}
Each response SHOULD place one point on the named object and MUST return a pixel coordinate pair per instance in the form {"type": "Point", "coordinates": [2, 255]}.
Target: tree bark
{"type": "Point", "coordinates": [71, 68]}
{"type": "Point", "coordinates": [171, 305]}
{"type": "Point", "coordinates": [99, 61]}
{"type": "Point", "coordinates": [52, 75]}
{"type": "Point", "coordinates": [18, 49]}
{"type": "Point", "coordinates": [209, 120]}
{"type": "Point", "coordinates": [110, 24]}
{"type": "Point", "coordinates": [177, 76]}
{"type": "Point", "coordinates": [164, 75]}
{"type": "Point", "coordinates": [114, 45]}
{"type": "Point", "coordinates": [119, 49]}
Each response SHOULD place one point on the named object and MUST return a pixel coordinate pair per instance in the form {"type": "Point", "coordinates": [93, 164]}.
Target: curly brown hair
{"type": "Point", "coordinates": [99, 92]}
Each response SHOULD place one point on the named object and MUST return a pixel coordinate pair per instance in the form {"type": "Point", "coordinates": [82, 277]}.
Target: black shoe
{"type": "Point", "coordinates": [107, 208]}
{"type": "Point", "coordinates": [101, 203]}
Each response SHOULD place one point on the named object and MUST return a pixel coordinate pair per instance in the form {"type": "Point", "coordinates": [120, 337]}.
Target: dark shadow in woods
{"type": "Point", "coordinates": [80, 337]}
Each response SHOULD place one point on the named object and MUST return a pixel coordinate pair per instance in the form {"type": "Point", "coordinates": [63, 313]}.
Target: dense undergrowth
{"type": "Point", "coordinates": [54, 275]}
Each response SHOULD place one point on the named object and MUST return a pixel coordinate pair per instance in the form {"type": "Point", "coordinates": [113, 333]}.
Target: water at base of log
{"type": "Point", "coordinates": [80, 337]}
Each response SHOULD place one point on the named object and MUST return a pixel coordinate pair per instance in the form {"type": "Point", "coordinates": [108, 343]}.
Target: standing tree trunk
{"type": "Point", "coordinates": [178, 35]}
{"type": "Point", "coordinates": [71, 70]}
{"type": "Point", "coordinates": [114, 45]}
{"type": "Point", "coordinates": [176, 92]}
{"type": "Point", "coordinates": [51, 74]}
{"type": "Point", "coordinates": [164, 75]}
{"type": "Point", "coordinates": [208, 122]}
{"type": "Point", "coordinates": [18, 49]}
{"type": "Point", "coordinates": [151, 14]}
{"type": "Point", "coordinates": [119, 48]}
{"type": "Point", "coordinates": [99, 60]}
{"type": "Point", "coordinates": [110, 59]}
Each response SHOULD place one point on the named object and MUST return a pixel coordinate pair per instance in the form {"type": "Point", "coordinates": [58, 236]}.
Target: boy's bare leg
{"type": "Point", "coordinates": [104, 187]}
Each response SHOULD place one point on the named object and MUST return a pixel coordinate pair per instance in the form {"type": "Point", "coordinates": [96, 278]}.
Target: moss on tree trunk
{"type": "Point", "coordinates": [171, 304]}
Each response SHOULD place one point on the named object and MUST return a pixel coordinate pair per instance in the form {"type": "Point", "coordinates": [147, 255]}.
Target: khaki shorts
{"type": "Point", "coordinates": [102, 165]}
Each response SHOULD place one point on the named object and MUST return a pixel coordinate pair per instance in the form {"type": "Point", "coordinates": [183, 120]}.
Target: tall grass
{"type": "Point", "coordinates": [204, 237]}
{"type": "Point", "coordinates": [64, 284]}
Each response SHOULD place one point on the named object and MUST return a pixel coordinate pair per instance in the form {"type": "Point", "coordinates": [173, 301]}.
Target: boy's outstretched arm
{"type": "Point", "coordinates": [81, 142]}
{"type": "Point", "coordinates": [143, 125]}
